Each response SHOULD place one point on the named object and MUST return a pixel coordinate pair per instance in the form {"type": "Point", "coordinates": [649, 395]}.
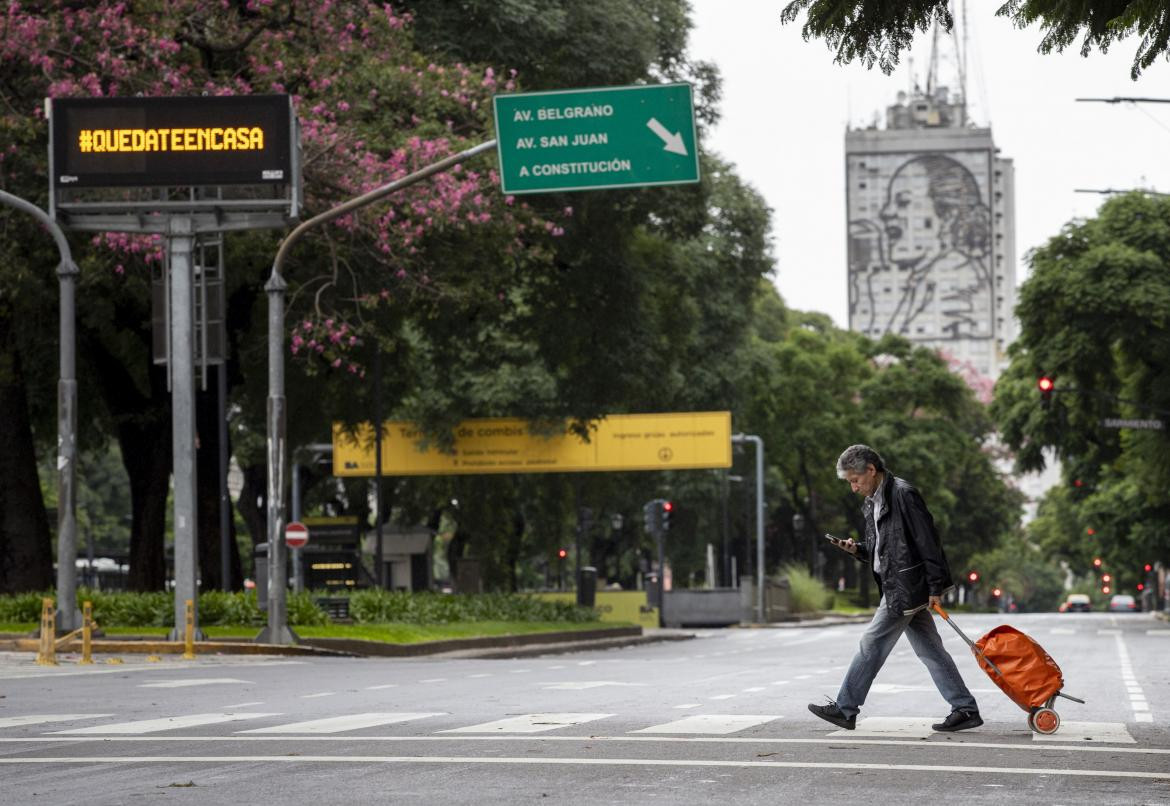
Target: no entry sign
{"type": "Point", "coordinates": [296, 535]}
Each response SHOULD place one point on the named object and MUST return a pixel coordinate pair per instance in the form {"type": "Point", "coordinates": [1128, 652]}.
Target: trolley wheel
{"type": "Point", "coordinates": [1045, 721]}
{"type": "Point", "coordinates": [1032, 719]}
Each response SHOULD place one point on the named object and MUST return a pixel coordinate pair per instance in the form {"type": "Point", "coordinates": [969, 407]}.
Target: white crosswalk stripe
{"type": "Point", "coordinates": [202, 681]}
{"type": "Point", "coordinates": [1105, 732]}
{"type": "Point", "coordinates": [529, 723]}
{"type": "Point", "coordinates": [716, 724]}
{"type": "Point", "coordinates": [340, 724]}
{"type": "Point", "coordinates": [165, 723]}
{"type": "Point", "coordinates": [40, 719]}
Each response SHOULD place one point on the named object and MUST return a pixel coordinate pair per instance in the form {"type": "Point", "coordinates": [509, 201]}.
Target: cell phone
{"type": "Point", "coordinates": [834, 540]}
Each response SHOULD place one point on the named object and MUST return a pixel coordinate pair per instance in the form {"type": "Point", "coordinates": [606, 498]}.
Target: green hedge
{"type": "Point", "coordinates": [370, 606]}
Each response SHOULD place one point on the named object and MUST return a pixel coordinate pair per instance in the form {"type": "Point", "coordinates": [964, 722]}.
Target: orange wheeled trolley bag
{"type": "Point", "coordinates": [1022, 670]}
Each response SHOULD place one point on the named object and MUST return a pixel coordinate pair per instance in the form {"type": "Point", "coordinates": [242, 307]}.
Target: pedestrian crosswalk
{"type": "Point", "coordinates": [518, 725]}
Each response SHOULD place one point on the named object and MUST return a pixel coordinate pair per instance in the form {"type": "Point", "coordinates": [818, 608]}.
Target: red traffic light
{"type": "Point", "coordinates": [996, 592]}
{"type": "Point", "coordinates": [1096, 562]}
{"type": "Point", "coordinates": [1090, 531]}
{"type": "Point", "coordinates": [1078, 483]}
{"type": "Point", "coordinates": [1149, 568]}
{"type": "Point", "coordinates": [973, 576]}
{"type": "Point", "coordinates": [1045, 383]}
{"type": "Point", "coordinates": [667, 506]}
{"type": "Point", "coordinates": [1105, 589]}
{"type": "Point", "coordinates": [1141, 586]}
{"type": "Point", "coordinates": [562, 553]}
{"type": "Point", "coordinates": [1106, 578]}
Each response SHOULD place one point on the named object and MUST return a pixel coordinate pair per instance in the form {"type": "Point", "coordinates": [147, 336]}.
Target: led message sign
{"type": "Point", "coordinates": [119, 142]}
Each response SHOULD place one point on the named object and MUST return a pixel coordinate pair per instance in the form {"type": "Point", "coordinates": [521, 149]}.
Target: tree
{"type": "Point", "coordinates": [1093, 316]}
{"type": "Point", "coordinates": [877, 32]}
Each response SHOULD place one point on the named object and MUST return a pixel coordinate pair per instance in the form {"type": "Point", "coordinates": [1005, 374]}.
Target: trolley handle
{"type": "Point", "coordinates": [970, 643]}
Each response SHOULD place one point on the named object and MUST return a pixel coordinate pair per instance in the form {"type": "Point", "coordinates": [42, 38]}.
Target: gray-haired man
{"type": "Point", "coordinates": [911, 570]}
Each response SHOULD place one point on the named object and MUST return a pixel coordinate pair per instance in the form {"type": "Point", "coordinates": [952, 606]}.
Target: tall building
{"type": "Point", "coordinates": [931, 231]}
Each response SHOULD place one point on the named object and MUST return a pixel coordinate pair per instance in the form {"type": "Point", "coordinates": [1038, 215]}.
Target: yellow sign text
{"type": "Point", "coordinates": [215, 138]}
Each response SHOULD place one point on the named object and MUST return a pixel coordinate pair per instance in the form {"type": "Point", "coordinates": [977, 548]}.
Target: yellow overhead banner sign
{"type": "Point", "coordinates": [675, 441]}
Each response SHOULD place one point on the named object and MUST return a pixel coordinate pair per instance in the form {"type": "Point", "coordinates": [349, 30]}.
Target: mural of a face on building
{"type": "Point", "coordinates": [934, 231]}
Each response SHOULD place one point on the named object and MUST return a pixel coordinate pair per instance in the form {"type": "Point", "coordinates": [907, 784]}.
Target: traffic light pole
{"type": "Point", "coordinates": [759, 443]}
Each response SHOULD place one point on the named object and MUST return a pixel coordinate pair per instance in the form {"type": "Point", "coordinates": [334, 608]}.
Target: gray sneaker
{"type": "Point", "coordinates": [959, 719]}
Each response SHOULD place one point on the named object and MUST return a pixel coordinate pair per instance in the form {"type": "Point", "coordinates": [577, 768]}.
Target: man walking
{"type": "Point", "coordinates": [911, 570]}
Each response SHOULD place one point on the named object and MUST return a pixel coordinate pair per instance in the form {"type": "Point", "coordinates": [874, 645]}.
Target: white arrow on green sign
{"type": "Point", "coordinates": [597, 138]}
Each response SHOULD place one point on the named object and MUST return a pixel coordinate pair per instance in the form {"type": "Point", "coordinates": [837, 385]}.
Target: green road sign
{"type": "Point", "coordinates": [598, 138]}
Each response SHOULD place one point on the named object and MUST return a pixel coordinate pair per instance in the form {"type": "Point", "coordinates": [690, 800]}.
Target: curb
{"type": "Point", "coordinates": [799, 623]}
{"type": "Point", "coordinates": [154, 647]}
{"type": "Point", "coordinates": [358, 646]}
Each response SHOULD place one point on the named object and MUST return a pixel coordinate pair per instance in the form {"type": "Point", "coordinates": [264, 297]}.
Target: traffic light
{"type": "Point", "coordinates": [562, 554]}
{"type": "Point", "coordinates": [649, 517]}
{"type": "Point", "coordinates": [973, 576]}
{"type": "Point", "coordinates": [996, 592]}
{"type": "Point", "coordinates": [1045, 384]}
{"type": "Point", "coordinates": [1149, 568]}
{"type": "Point", "coordinates": [1106, 578]}
{"type": "Point", "coordinates": [1090, 531]}
{"type": "Point", "coordinates": [667, 508]}
{"type": "Point", "coordinates": [1096, 562]}
{"type": "Point", "coordinates": [1105, 589]}
{"type": "Point", "coordinates": [1141, 586]}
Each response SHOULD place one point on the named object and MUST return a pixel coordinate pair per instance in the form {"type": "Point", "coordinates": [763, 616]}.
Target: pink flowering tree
{"type": "Point", "coordinates": [371, 110]}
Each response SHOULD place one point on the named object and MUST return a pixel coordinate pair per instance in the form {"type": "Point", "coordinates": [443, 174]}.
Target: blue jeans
{"type": "Point", "coordinates": [877, 641]}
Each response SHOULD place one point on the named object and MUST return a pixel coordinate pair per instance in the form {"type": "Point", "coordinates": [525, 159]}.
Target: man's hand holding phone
{"type": "Point", "coordinates": [846, 545]}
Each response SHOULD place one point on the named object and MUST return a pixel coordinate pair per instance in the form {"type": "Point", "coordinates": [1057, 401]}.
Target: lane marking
{"type": "Point", "coordinates": [1158, 633]}
{"type": "Point", "coordinates": [932, 744]}
{"type": "Point", "coordinates": [383, 686]}
{"type": "Point", "coordinates": [123, 669]}
{"type": "Point", "coordinates": [434, 680]}
{"type": "Point", "coordinates": [338, 724]}
{"type": "Point", "coordinates": [718, 724]}
{"type": "Point", "coordinates": [690, 705]}
{"type": "Point", "coordinates": [40, 719]}
{"type": "Point", "coordinates": [318, 694]}
{"type": "Point", "coordinates": [595, 762]}
{"type": "Point", "coordinates": [199, 681]}
{"type": "Point", "coordinates": [1137, 697]}
{"type": "Point", "coordinates": [890, 726]}
{"type": "Point", "coordinates": [1088, 732]}
{"type": "Point", "coordinates": [166, 723]}
{"type": "Point", "coordinates": [243, 704]}
{"type": "Point", "coordinates": [722, 697]}
{"type": "Point", "coordinates": [530, 723]}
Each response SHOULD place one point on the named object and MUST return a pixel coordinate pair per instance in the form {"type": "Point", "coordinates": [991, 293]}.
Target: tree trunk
{"type": "Point", "coordinates": [144, 435]}
{"type": "Point", "coordinates": [146, 455]}
{"type": "Point", "coordinates": [207, 472]}
{"type": "Point", "coordinates": [26, 555]}
{"type": "Point", "coordinates": [253, 502]}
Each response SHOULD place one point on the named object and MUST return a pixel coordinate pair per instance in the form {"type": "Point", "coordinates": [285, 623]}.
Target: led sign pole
{"type": "Point", "coordinates": [149, 146]}
{"type": "Point", "coordinates": [68, 617]}
{"type": "Point", "coordinates": [759, 519]}
{"type": "Point", "coordinates": [277, 631]}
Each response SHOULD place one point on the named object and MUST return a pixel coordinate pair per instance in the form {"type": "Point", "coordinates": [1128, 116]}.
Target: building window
{"type": "Point", "coordinates": [927, 223]}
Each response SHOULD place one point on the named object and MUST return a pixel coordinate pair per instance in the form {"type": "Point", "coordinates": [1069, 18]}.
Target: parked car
{"type": "Point", "coordinates": [1077, 603]}
{"type": "Point", "coordinates": [1123, 603]}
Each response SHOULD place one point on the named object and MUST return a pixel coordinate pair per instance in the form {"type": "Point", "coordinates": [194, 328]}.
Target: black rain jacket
{"type": "Point", "coordinates": [914, 567]}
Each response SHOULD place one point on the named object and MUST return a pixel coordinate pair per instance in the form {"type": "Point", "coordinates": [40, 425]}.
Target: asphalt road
{"type": "Point", "coordinates": [721, 718]}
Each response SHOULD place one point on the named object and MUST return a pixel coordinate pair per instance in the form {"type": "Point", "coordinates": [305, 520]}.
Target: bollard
{"type": "Point", "coordinates": [87, 633]}
{"type": "Point", "coordinates": [189, 632]}
{"type": "Point", "coordinates": [47, 654]}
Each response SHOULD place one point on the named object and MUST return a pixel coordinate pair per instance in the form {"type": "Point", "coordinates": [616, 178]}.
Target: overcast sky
{"type": "Point", "coordinates": [786, 106]}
